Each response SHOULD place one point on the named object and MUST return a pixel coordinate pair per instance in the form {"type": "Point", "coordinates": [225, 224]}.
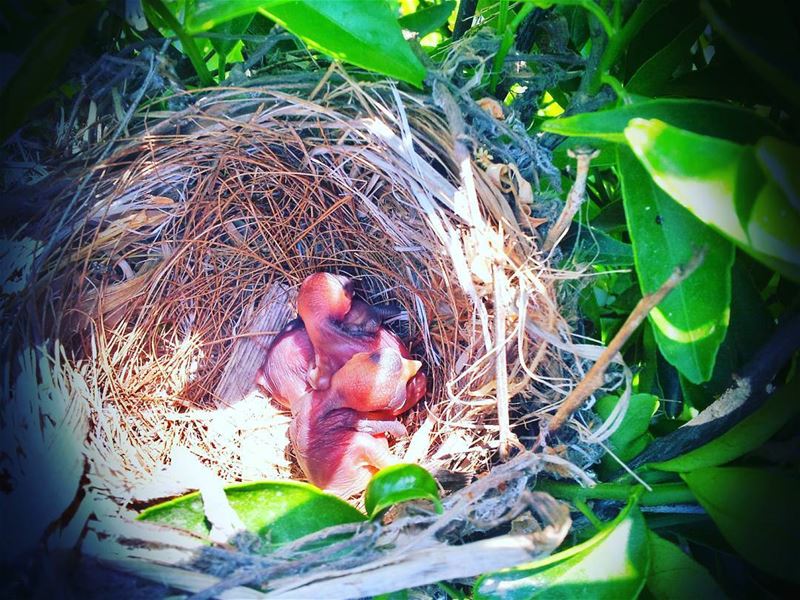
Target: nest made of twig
{"type": "Point", "coordinates": [180, 252]}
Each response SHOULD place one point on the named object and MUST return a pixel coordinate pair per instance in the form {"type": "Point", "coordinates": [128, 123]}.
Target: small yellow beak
{"type": "Point", "coordinates": [410, 368]}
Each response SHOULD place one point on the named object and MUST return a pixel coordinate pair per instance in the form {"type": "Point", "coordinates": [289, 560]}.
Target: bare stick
{"type": "Point", "coordinates": [507, 437]}
{"type": "Point", "coordinates": [594, 378]}
{"type": "Point", "coordinates": [574, 198]}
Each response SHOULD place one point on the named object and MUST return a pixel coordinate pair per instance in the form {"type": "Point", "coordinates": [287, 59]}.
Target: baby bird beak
{"type": "Point", "coordinates": [410, 368]}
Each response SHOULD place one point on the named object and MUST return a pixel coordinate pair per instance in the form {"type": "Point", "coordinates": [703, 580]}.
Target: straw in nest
{"type": "Point", "coordinates": [182, 250]}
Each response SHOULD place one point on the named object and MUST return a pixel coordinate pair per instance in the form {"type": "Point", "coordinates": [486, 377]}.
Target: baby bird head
{"type": "Point", "coordinates": [324, 295]}
{"type": "Point", "coordinates": [376, 379]}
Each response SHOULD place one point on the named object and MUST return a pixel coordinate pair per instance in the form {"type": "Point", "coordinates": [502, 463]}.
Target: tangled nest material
{"type": "Point", "coordinates": [155, 295]}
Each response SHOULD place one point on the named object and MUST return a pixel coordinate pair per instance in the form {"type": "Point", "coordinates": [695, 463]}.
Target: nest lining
{"type": "Point", "coordinates": [187, 243]}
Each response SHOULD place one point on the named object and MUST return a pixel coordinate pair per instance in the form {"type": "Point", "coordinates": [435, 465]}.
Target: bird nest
{"type": "Point", "coordinates": [154, 296]}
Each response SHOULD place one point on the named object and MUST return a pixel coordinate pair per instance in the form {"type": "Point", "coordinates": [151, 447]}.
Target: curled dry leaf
{"type": "Point", "coordinates": [493, 107]}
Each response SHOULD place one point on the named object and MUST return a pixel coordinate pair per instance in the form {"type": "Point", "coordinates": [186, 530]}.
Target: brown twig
{"type": "Point", "coordinates": [594, 378]}
{"type": "Point", "coordinates": [574, 198]}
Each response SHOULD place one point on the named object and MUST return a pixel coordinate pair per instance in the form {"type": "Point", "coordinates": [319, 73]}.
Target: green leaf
{"type": "Point", "coordinates": [756, 511]}
{"type": "Point", "coordinates": [364, 34]}
{"type": "Point", "coordinates": [202, 15]}
{"type": "Point", "coordinates": [276, 511]}
{"type": "Point", "coordinates": [613, 564]}
{"type": "Point", "coordinates": [233, 28]}
{"type": "Point", "coordinates": [699, 116]}
{"type": "Point", "coordinates": [597, 247]}
{"type": "Point", "coordinates": [690, 323]}
{"type": "Point", "coordinates": [561, 158]}
{"type": "Point", "coordinates": [650, 78]}
{"type": "Point", "coordinates": [398, 595]}
{"type": "Point", "coordinates": [779, 160]}
{"type": "Point", "coordinates": [753, 325]}
{"type": "Point", "coordinates": [400, 483]}
{"type": "Point", "coordinates": [722, 184]}
{"type": "Point", "coordinates": [428, 19]}
{"type": "Point", "coordinates": [657, 33]}
{"type": "Point", "coordinates": [627, 439]}
{"type": "Point", "coordinates": [743, 437]}
{"type": "Point", "coordinates": [643, 13]}
{"type": "Point", "coordinates": [676, 576]}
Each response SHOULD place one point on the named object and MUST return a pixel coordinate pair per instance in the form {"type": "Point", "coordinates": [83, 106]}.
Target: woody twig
{"type": "Point", "coordinates": [594, 378]}
{"type": "Point", "coordinates": [574, 199]}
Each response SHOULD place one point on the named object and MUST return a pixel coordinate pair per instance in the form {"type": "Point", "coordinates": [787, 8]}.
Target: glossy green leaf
{"type": "Point", "coordinates": [400, 483]}
{"type": "Point", "coordinates": [202, 15]}
{"type": "Point", "coordinates": [364, 34]}
{"type": "Point", "coordinates": [756, 511]}
{"type": "Point", "coordinates": [676, 576]}
{"type": "Point", "coordinates": [613, 565]}
{"type": "Point", "coordinates": [722, 184]}
{"type": "Point", "coordinates": [743, 437]}
{"type": "Point", "coordinates": [699, 116]}
{"type": "Point", "coordinates": [691, 322]}
{"type": "Point", "coordinates": [276, 511]}
{"type": "Point", "coordinates": [429, 19]}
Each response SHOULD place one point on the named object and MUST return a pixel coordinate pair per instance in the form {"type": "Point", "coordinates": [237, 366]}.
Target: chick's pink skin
{"type": "Point", "coordinates": [338, 441]}
{"type": "Point", "coordinates": [284, 374]}
{"type": "Point", "coordinates": [340, 326]}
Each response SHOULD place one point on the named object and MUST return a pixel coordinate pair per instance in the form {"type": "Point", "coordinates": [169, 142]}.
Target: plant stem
{"type": "Point", "coordinates": [221, 63]}
{"type": "Point", "coordinates": [502, 17]}
{"type": "Point", "coordinates": [617, 43]}
{"type": "Point", "coordinates": [588, 513]}
{"type": "Point", "coordinates": [664, 493]}
{"type": "Point", "coordinates": [505, 44]}
{"type": "Point", "coordinates": [187, 42]}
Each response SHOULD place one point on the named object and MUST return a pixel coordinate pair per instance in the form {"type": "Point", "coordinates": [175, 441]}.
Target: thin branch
{"type": "Point", "coordinates": [595, 377]}
{"type": "Point", "coordinates": [574, 198]}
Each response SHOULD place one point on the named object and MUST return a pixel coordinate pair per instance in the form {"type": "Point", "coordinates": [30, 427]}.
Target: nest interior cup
{"type": "Point", "coordinates": [186, 245]}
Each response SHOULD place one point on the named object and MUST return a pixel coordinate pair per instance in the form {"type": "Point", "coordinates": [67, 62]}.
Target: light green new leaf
{"type": "Point", "coordinates": [627, 440]}
{"type": "Point", "coordinates": [612, 565]}
{"type": "Point", "coordinates": [700, 116]}
{"type": "Point", "coordinates": [691, 322]}
{"type": "Point", "coordinates": [723, 185]}
{"type": "Point", "coordinates": [277, 511]}
{"type": "Point", "coordinates": [400, 483]}
{"type": "Point", "coordinates": [676, 576]}
{"type": "Point", "coordinates": [745, 436]}
{"type": "Point", "coordinates": [364, 34]}
{"type": "Point", "coordinates": [756, 511]}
